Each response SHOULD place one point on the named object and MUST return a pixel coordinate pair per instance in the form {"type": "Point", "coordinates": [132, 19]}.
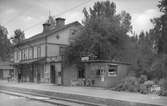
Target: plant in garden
{"type": "Point", "coordinates": [130, 83]}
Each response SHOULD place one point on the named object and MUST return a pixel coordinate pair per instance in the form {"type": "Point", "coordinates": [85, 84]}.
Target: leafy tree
{"type": "Point", "coordinates": [104, 34]}
{"type": "Point", "coordinates": [159, 36]}
{"type": "Point", "coordinates": [141, 54]}
{"type": "Point", "coordinates": [19, 36]}
{"type": "Point", "coordinates": [160, 28]}
{"type": "Point", "coordinates": [5, 44]}
{"type": "Point", "coordinates": [163, 6]}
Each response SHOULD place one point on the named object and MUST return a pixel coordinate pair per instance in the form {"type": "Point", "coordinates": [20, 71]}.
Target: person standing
{"type": "Point", "coordinates": [19, 76]}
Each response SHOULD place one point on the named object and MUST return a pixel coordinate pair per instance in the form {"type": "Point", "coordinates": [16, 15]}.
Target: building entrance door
{"type": "Point", "coordinates": [52, 74]}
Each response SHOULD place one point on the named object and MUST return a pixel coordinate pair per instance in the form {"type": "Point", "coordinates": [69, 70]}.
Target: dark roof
{"type": "Point", "coordinates": [105, 61]}
{"type": "Point", "coordinates": [44, 34]}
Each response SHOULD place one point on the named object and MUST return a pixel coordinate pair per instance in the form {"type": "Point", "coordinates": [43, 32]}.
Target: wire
{"type": "Point", "coordinates": [18, 15]}
{"type": "Point", "coordinates": [59, 14]}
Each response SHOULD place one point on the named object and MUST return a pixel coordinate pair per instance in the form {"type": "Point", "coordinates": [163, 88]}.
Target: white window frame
{"type": "Point", "coordinates": [112, 67]}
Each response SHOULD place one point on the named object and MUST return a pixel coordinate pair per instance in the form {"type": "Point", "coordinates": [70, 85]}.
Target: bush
{"type": "Point", "coordinates": [143, 89]}
{"type": "Point", "coordinates": [142, 85]}
{"type": "Point", "coordinates": [163, 92]}
{"type": "Point", "coordinates": [142, 79]}
{"type": "Point", "coordinates": [163, 83]}
{"type": "Point", "coordinates": [148, 83]}
{"type": "Point", "coordinates": [128, 84]}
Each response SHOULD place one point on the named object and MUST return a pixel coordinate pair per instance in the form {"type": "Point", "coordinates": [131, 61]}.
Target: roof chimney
{"type": "Point", "coordinates": [60, 22]}
{"type": "Point", "coordinates": [46, 27]}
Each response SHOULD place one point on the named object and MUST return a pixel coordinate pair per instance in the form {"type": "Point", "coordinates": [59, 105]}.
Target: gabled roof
{"type": "Point", "coordinates": [45, 34]}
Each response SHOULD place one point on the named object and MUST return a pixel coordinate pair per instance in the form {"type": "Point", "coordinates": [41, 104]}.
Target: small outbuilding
{"type": "Point", "coordinates": [105, 73]}
{"type": "Point", "coordinates": [6, 70]}
{"type": "Point", "coordinates": [98, 73]}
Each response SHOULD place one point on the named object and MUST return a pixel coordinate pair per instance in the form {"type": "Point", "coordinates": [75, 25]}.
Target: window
{"type": "Point", "coordinates": [35, 52]}
{"type": "Point", "coordinates": [81, 73]}
{"type": "Point", "coordinates": [113, 70]}
{"type": "Point", "coordinates": [17, 55]}
{"type": "Point", "coordinates": [30, 53]}
{"type": "Point", "coordinates": [39, 52]}
{"type": "Point", "coordinates": [26, 53]}
{"type": "Point", "coordinates": [62, 50]}
{"type": "Point", "coordinates": [100, 72]}
{"type": "Point", "coordinates": [23, 54]}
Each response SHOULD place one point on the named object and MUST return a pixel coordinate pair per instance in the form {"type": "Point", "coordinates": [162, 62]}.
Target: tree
{"type": "Point", "coordinates": [141, 54]}
{"type": "Point", "coordinates": [5, 44]}
{"type": "Point", "coordinates": [104, 33]}
{"type": "Point", "coordinates": [159, 37]}
{"type": "Point", "coordinates": [160, 28]}
{"type": "Point", "coordinates": [163, 6]}
{"type": "Point", "coordinates": [19, 36]}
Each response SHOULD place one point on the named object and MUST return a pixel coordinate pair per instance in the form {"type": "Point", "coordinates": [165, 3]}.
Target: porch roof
{"type": "Point", "coordinates": [30, 61]}
{"type": "Point", "coordinates": [5, 65]}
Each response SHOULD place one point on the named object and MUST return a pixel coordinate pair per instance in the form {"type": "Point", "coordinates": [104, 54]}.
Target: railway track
{"type": "Point", "coordinates": [46, 97]}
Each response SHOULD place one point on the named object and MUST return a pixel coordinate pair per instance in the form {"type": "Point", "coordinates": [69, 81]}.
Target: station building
{"type": "Point", "coordinates": [39, 58]}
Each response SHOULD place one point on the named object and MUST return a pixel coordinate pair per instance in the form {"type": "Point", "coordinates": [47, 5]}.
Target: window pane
{"type": "Point", "coordinates": [112, 71]}
{"type": "Point", "coordinates": [39, 52]}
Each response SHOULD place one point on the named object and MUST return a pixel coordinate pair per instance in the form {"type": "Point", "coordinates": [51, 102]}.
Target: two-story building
{"type": "Point", "coordinates": [39, 58]}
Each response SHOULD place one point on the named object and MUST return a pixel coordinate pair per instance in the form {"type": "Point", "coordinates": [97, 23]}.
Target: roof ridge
{"type": "Point", "coordinates": [51, 31]}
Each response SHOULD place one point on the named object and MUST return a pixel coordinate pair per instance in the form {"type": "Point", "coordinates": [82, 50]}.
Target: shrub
{"type": "Point", "coordinates": [142, 79]}
{"type": "Point", "coordinates": [149, 83]}
{"type": "Point", "coordinates": [163, 92]}
{"type": "Point", "coordinates": [128, 84]}
{"type": "Point", "coordinates": [163, 83]}
{"type": "Point", "coordinates": [143, 89]}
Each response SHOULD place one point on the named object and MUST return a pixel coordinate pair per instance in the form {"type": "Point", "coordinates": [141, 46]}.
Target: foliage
{"type": "Point", "coordinates": [141, 54]}
{"type": "Point", "coordinates": [133, 84]}
{"type": "Point", "coordinates": [128, 84]}
{"type": "Point", "coordinates": [163, 85]}
{"type": "Point", "coordinates": [163, 6]}
{"type": "Point", "coordinates": [163, 92]}
{"type": "Point", "coordinates": [160, 28]}
{"type": "Point", "coordinates": [143, 89]}
{"type": "Point", "coordinates": [5, 44]}
{"type": "Point", "coordinates": [142, 79]}
{"type": "Point", "coordinates": [104, 33]}
{"type": "Point", "coordinates": [19, 36]}
{"type": "Point", "coordinates": [150, 48]}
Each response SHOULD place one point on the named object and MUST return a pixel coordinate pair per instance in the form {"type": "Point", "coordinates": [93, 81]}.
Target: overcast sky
{"type": "Point", "coordinates": [29, 15]}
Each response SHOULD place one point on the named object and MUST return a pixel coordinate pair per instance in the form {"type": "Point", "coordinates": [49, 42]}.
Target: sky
{"type": "Point", "coordinates": [29, 15]}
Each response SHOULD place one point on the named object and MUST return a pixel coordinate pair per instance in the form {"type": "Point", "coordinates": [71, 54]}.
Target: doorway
{"type": "Point", "coordinates": [52, 74]}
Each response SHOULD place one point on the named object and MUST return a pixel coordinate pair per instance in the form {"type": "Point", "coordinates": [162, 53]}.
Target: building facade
{"type": "Point", "coordinates": [39, 58]}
